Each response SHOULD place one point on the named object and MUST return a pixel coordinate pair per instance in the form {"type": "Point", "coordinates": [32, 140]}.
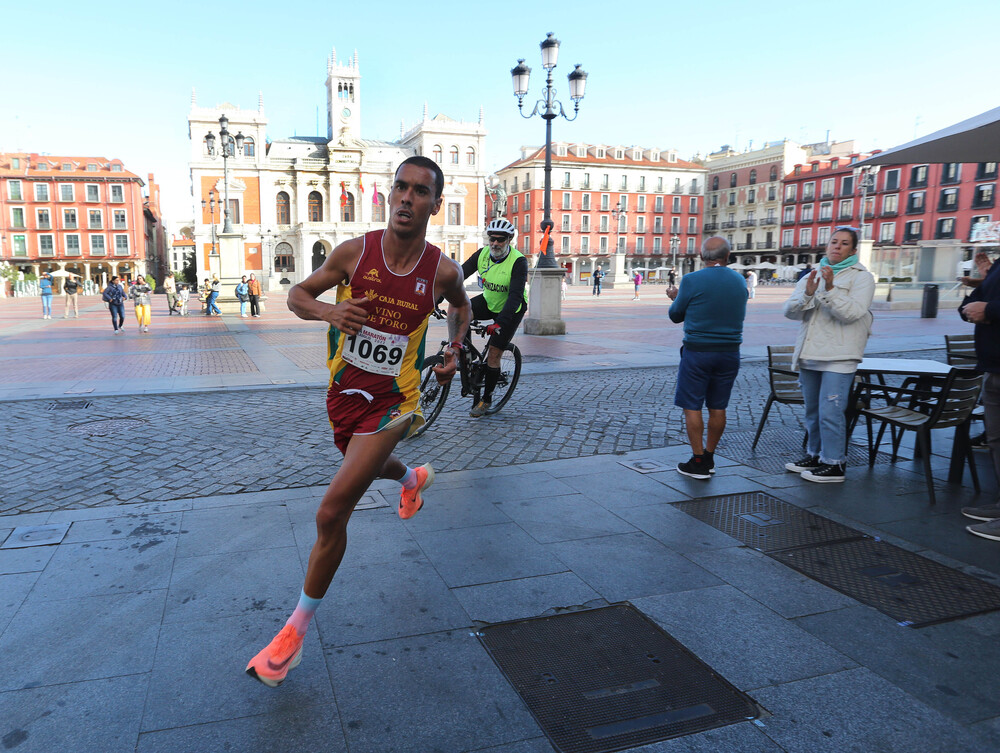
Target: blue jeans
{"type": "Point", "coordinates": [243, 308]}
{"type": "Point", "coordinates": [46, 305]}
{"type": "Point", "coordinates": [211, 303]}
{"type": "Point", "coordinates": [117, 315]}
{"type": "Point", "coordinates": [826, 395]}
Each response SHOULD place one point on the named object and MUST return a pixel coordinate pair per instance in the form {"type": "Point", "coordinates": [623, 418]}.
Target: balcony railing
{"type": "Point", "coordinates": [808, 197]}
{"type": "Point", "coordinates": [889, 213]}
{"type": "Point", "coordinates": [763, 245]}
{"type": "Point", "coordinates": [789, 199]}
{"type": "Point", "coordinates": [43, 225]}
{"type": "Point", "coordinates": [983, 204]}
{"type": "Point", "coordinates": [912, 238]}
{"type": "Point", "coordinates": [788, 221]}
{"type": "Point", "coordinates": [826, 195]}
{"type": "Point", "coordinates": [710, 226]}
{"type": "Point", "coordinates": [728, 225]}
{"type": "Point", "coordinates": [748, 223]}
{"type": "Point", "coordinates": [915, 210]}
{"type": "Point", "coordinates": [744, 246]}
{"type": "Point", "coordinates": [769, 221]}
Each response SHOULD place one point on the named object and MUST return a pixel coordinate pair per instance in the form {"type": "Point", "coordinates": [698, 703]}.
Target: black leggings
{"type": "Point", "coordinates": [254, 305]}
{"type": "Point", "coordinates": [501, 339]}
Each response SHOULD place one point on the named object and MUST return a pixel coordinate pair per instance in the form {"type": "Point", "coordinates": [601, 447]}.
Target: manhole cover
{"type": "Point", "coordinates": [610, 678]}
{"type": "Point", "coordinates": [69, 405]}
{"type": "Point", "coordinates": [642, 465]}
{"type": "Point", "coordinates": [764, 522]}
{"type": "Point", "coordinates": [913, 590]}
{"type": "Point", "coordinates": [26, 536]}
{"type": "Point", "coordinates": [107, 427]}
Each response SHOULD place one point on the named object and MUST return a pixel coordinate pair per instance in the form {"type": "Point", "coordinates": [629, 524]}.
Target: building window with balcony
{"type": "Point", "coordinates": [807, 212]}
{"type": "Point", "coordinates": [93, 192]}
{"type": "Point", "coordinates": [527, 224]}
{"type": "Point", "coordinates": [513, 205]}
{"type": "Point", "coordinates": [603, 244]}
{"type": "Point", "coordinates": [282, 208]}
{"type": "Point", "coordinates": [121, 245]}
{"type": "Point", "coordinates": [565, 244]}
{"type": "Point", "coordinates": [97, 247]}
{"type": "Point", "coordinates": [454, 213]}
{"type": "Point", "coordinates": [658, 204]}
{"type": "Point", "coordinates": [605, 182]}
{"type": "Point", "coordinates": [565, 223]}
{"type": "Point", "coordinates": [43, 219]}
{"type": "Point", "coordinates": [676, 204]}
{"type": "Point", "coordinates": [790, 192]}
{"type": "Point", "coordinates": [526, 204]}
{"type": "Point", "coordinates": [604, 223]}
{"type": "Point", "coordinates": [690, 246]}
{"type": "Point", "coordinates": [624, 183]}
{"type": "Point", "coordinates": [692, 225]}
{"type": "Point", "coordinates": [732, 180]}
{"type": "Point", "coordinates": [915, 202]}
{"type": "Point", "coordinates": [984, 196]}
{"type": "Point", "coordinates": [642, 182]}
{"type": "Point", "coordinates": [752, 195]}
{"type": "Point", "coordinates": [117, 193]}
{"type": "Point", "coordinates": [14, 190]}
{"type": "Point", "coordinates": [585, 223]}
{"type": "Point", "coordinates": [918, 176]}
{"type": "Point", "coordinates": [846, 209]}
{"type": "Point", "coordinates": [378, 208]}
{"type": "Point", "coordinates": [949, 200]}
{"type": "Point", "coordinates": [586, 182]}
{"type": "Point", "coordinates": [986, 171]}
{"type": "Point", "coordinates": [914, 230]}
{"type": "Point", "coordinates": [640, 245]}
{"type": "Point", "coordinates": [732, 198]}
{"type": "Point", "coordinates": [787, 237]}
{"type": "Point", "coordinates": [822, 236]}
{"type": "Point", "coordinates": [566, 200]}
{"type": "Point", "coordinates": [118, 219]}
{"type": "Point", "coordinates": [585, 245]}
{"type": "Point", "coordinates": [808, 192]}
{"type": "Point", "coordinates": [72, 245]}
{"type": "Point", "coordinates": [657, 245]}
{"type": "Point", "coordinates": [945, 228]}
{"type": "Point", "coordinates": [826, 211]}
{"type": "Point", "coordinates": [315, 206]}
{"type": "Point", "coordinates": [69, 219]}
{"type": "Point", "coordinates": [753, 177]}
{"type": "Point", "coordinates": [585, 202]}
{"type": "Point", "coordinates": [890, 204]}
{"type": "Point", "coordinates": [847, 186]}
{"type": "Point", "coordinates": [641, 204]}
{"type": "Point", "coordinates": [66, 192]}
{"type": "Point", "coordinates": [41, 192]}
{"type": "Point", "coordinates": [675, 225]}
{"type": "Point", "coordinates": [658, 225]}
{"type": "Point", "coordinates": [640, 225]}
{"type": "Point", "coordinates": [788, 215]}
{"type": "Point", "coordinates": [95, 221]}
{"type": "Point", "coordinates": [45, 246]}
{"type": "Point", "coordinates": [891, 180]}
{"type": "Point", "coordinates": [693, 205]}
{"type": "Point", "coordinates": [17, 217]}
{"type": "Point", "coordinates": [605, 202]}
{"type": "Point", "coordinates": [234, 211]}
{"type": "Point", "coordinates": [715, 182]}
{"type": "Point", "coordinates": [20, 246]}
{"type": "Point", "coordinates": [951, 172]}
{"type": "Point", "coordinates": [805, 237]}
{"type": "Point", "coordinates": [826, 188]}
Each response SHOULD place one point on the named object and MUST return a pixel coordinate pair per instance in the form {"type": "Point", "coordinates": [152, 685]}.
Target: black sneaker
{"type": "Point", "coordinates": [979, 443]}
{"type": "Point", "coordinates": [710, 460]}
{"type": "Point", "coordinates": [991, 512]}
{"type": "Point", "coordinates": [826, 473]}
{"type": "Point", "coordinates": [988, 530]}
{"type": "Point", "coordinates": [696, 467]}
{"type": "Point", "coordinates": [808, 463]}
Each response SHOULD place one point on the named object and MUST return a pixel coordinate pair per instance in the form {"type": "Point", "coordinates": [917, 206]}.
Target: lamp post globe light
{"type": "Point", "coordinates": [548, 107]}
{"type": "Point", "coordinates": [229, 145]}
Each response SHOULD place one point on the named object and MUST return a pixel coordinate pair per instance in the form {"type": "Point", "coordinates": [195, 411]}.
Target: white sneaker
{"type": "Point", "coordinates": [243, 315]}
{"type": "Point", "coordinates": [145, 329]}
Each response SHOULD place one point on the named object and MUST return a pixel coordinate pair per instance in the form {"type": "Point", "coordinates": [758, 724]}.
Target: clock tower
{"type": "Point", "coordinates": [343, 98]}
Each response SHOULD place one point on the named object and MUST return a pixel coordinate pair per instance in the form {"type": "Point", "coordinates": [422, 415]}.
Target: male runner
{"type": "Point", "coordinates": [503, 271]}
{"type": "Point", "coordinates": [388, 282]}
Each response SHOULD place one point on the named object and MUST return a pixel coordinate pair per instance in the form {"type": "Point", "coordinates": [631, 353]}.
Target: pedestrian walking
{"type": "Point", "coordinates": [564, 287]}
{"type": "Point", "coordinates": [45, 286]}
{"type": "Point", "coordinates": [243, 295]}
{"type": "Point", "coordinates": [671, 278]}
{"type": "Point", "coordinates": [751, 284]}
{"type": "Point", "coordinates": [637, 281]}
{"type": "Point", "coordinates": [214, 288]}
{"type": "Point", "coordinates": [375, 353]}
{"type": "Point", "coordinates": [71, 289]}
{"type": "Point", "coordinates": [712, 303]}
{"type": "Point", "coordinates": [141, 295]}
{"type": "Point", "coordinates": [253, 290]}
{"type": "Point", "coordinates": [170, 288]}
{"type": "Point", "coordinates": [833, 304]}
{"type": "Point", "coordinates": [597, 277]}
{"type": "Point", "coordinates": [114, 296]}
{"type": "Point", "coordinates": [181, 304]}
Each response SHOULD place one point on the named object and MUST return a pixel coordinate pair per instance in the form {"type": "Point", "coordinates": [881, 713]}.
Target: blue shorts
{"type": "Point", "coordinates": [705, 378]}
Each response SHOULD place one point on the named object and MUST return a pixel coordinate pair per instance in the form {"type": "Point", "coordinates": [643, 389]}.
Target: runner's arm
{"type": "Point", "coordinates": [303, 299]}
{"type": "Point", "coordinates": [449, 284]}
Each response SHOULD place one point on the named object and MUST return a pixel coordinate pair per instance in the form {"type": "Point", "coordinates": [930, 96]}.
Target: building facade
{"type": "Point", "coordinates": [743, 201]}
{"type": "Point", "coordinates": [620, 208]}
{"type": "Point", "coordinates": [292, 200]}
{"type": "Point", "coordinates": [85, 215]}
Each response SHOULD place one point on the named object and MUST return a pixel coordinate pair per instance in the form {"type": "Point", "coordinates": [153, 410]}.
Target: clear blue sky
{"type": "Point", "coordinates": [114, 79]}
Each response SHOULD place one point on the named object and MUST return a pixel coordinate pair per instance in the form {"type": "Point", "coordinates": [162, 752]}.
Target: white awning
{"type": "Point", "coordinates": [974, 140]}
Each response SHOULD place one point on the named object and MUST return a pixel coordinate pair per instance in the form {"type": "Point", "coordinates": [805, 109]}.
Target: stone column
{"type": "Point", "coordinates": [545, 303]}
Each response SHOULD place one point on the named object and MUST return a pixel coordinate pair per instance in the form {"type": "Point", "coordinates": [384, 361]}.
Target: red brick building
{"type": "Point", "coordinates": [85, 215]}
{"type": "Point", "coordinates": [663, 199]}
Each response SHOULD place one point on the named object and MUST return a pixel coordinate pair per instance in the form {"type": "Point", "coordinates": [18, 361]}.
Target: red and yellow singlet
{"type": "Point", "coordinates": [381, 364]}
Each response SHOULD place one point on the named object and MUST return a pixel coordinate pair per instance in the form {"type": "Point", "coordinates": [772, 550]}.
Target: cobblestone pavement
{"type": "Point", "coordinates": [120, 450]}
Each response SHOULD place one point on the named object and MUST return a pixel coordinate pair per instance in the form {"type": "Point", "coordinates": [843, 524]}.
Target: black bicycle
{"type": "Point", "coordinates": [471, 372]}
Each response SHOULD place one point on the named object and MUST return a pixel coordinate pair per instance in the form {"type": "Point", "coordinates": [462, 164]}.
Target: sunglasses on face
{"type": "Point", "coordinates": [498, 239]}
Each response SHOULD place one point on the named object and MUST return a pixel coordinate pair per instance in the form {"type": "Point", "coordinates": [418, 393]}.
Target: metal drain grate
{"type": "Point", "coordinates": [69, 405]}
{"type": "Point", "coordinates": [608, 679]}
{"type": "Point", "coordinates": [911, 589]}
{"type": "Point", "coordinates": [763, 522]}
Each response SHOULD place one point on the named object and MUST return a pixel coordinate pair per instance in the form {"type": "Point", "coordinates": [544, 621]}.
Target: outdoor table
{"type": "Point", "coordinates": [924, 371]}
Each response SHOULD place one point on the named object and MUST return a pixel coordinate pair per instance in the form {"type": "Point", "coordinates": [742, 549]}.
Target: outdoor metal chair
{"type": "Point", "coordinates": [949, 406]}
{"type": "Point", "coordinates": [961, 350]}
{"type": "Point", "coordinates": [784, 383]}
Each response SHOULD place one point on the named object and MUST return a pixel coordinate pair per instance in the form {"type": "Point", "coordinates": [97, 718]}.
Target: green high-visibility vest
{"type": "Point", "coordinates": [496, 278]}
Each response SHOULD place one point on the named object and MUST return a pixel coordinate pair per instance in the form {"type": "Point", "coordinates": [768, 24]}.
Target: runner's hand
{"type": "Point", "coordinates": [443, 372]}
{"type": "Point", "coordinates": [349, 316]}
{"type": "Point", "coordinates": [492, 329]}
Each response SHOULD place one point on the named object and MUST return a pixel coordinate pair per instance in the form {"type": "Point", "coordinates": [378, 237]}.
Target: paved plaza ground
{"type": "Point", "coordinates": [185, 466]}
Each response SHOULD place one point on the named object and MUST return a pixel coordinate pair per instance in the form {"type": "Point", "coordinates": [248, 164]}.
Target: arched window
{"type": "Point", "coordinates": [347, 207]}
{"type": "Point", "coordinates": [437, 153]}
{"type": "Point", "coordinates": [454, 155]}
{"type": "Point", "coordinates": [248, 147]}
{"type": "Point", "coordinates": [715, 182]}
{"type": "Point", "coordinates": [753, 177]}
{"type": "Point", "coordinates": [378, 208]}
{"type": "Point", "coordinates": [315, 207]}
{"type": "Point", "coordinates": [284, 258]}
{"type": "Point", "coordinates": [282, 208]}
{"type": "Point", "coordinates": [732, 180]}
{"type": "Point", "coordinates": [774, 172]}
{"type": "Point", "coordinates": [470, 156]}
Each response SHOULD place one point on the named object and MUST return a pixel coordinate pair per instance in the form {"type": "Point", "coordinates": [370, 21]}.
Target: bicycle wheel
{"type": "Point", "coordinates": [510, 372]}
{"type": "Point", "coordinates": [432, 394]}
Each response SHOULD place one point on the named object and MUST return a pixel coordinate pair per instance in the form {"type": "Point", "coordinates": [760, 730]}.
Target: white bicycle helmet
{"type": "Point", "coordinates": [501, 226]}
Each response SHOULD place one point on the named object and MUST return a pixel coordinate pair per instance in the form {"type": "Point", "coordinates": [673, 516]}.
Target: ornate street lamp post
{"type": "Point", "coordinates": [229, 147]}
{"type": "Point", "coordinates": [211, 207]}
{"type": "Point", "coordinates": [675, 242]}
{"type": "Point", "coordinates": [548, 107]}
{"type": "Point", "coordinates": [618, 214]}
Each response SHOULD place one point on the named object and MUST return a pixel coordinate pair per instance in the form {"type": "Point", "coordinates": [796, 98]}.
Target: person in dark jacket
{"type": "Point", "coordinates": [982, 308]}
{"type": "Point", "coordinates": [114, 296]}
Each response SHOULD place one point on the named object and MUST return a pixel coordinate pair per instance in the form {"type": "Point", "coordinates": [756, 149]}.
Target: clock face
{"type": "Point", "coordinates": [345, 113]}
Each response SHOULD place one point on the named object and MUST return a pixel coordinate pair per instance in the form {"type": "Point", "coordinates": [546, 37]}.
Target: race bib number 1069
{"type": "Point", "coordinates": [375, 352]}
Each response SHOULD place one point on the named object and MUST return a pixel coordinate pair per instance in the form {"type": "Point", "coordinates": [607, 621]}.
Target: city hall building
{"type": "Point", "coordinates": [292, 200]}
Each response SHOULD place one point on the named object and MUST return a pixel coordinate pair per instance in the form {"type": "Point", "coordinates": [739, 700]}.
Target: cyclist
{"type": "Point", "coordinates": [503, 274]}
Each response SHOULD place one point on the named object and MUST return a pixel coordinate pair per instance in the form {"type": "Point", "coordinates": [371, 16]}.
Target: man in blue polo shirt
{"type": "Point", "coordinates": [712, 303]}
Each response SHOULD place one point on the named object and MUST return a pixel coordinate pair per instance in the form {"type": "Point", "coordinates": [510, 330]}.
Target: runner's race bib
{"type": "Point", "coordinates": [375, 352]}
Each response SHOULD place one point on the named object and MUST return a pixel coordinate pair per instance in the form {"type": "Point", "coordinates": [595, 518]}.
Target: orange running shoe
{"type": "Point", "coordinates": [410, 500]}
{"type": "Point", "coordinates": [283, 653]}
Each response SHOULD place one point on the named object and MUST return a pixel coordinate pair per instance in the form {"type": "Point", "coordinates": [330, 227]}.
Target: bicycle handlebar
{"type": "Point", "coordinates": [474, 325]}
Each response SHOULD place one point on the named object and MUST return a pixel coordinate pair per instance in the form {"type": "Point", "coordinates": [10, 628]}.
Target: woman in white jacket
{"type": "Point", "coordinates": [833, 305]}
